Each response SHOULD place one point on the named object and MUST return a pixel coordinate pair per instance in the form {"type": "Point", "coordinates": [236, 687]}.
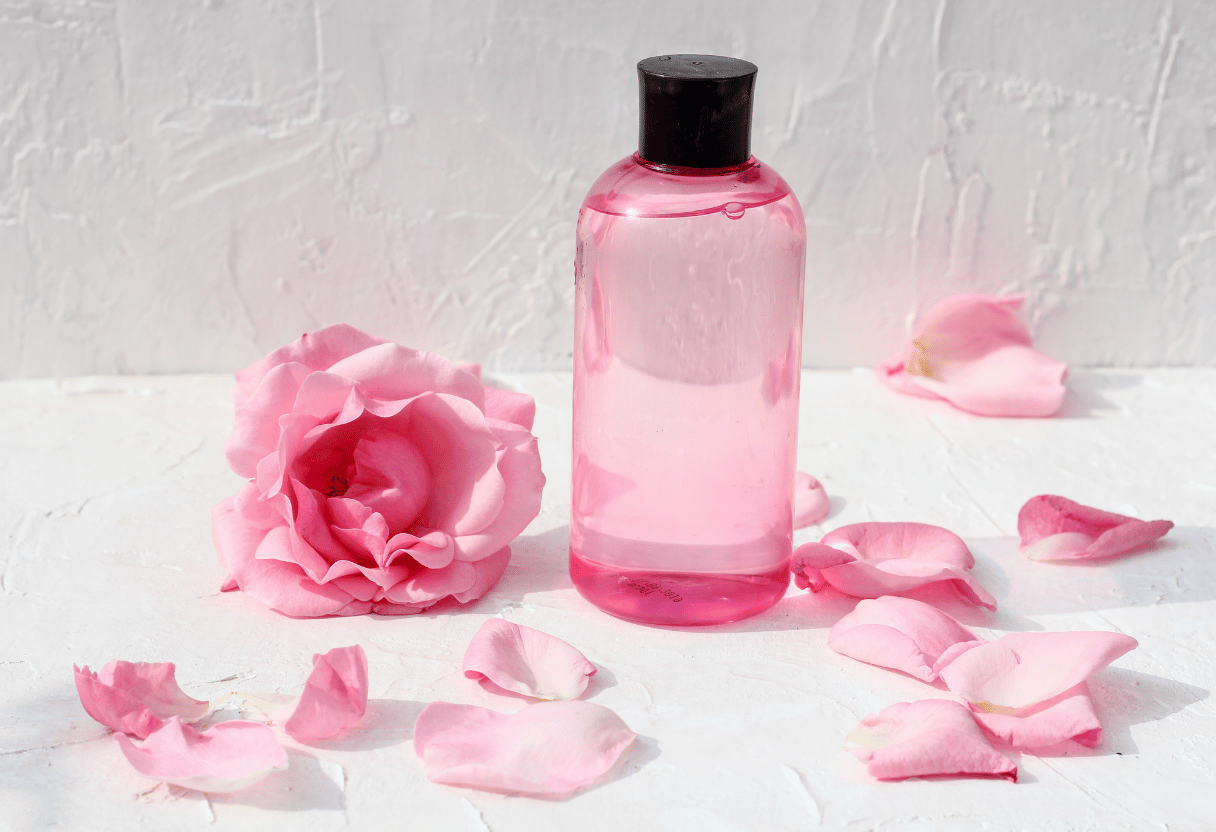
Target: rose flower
{"type": "Point", "coordinates": [382, 479]}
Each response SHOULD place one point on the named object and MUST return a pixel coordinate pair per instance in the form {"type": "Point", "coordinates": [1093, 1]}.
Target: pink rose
{"type": "Point", "coordinates": [382, 479]}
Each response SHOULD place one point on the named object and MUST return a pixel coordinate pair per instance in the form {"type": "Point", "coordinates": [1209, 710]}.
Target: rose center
{"type": "Point", "coordinates": [337, 486]}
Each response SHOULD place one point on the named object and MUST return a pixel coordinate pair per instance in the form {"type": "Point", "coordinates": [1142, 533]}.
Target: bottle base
{"type": "Point", "coordinates": [677, 599]}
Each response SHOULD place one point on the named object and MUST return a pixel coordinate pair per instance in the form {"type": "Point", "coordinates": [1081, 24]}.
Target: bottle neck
{"type": "Point", "coordinates": [678, 170]}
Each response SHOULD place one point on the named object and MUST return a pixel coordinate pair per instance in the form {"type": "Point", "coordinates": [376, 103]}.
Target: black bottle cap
{"type": "Point", "coordinates": [696, 110]}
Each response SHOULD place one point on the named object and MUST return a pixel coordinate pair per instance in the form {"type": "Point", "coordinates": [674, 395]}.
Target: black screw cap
{"type": "Point", "coordinates": [696, 110]}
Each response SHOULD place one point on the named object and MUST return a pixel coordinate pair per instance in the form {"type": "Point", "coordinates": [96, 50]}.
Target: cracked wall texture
{"type": "Point", "coordinates": [187, 185]}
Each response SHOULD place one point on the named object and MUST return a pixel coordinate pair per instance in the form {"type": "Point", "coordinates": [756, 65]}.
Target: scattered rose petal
{"type": "Point", "coordinates": [135, 697]}
{"type": "Point", "coordinates": [921, 541]}
{"type": "Point", "coordinates": [1022, 670]}
{"type": "Point", "coordinates": [810, 559]}
{"type": "Point", "coordinates": [899, 633]}
{"type": "Point", "coordinates": [334, 697]}
{"type": "Point", "coordinates": [227, 757]}
{"type": "Point", "coordinates": [810, 501]}
{"type": "Point", "coordinates": [1056, 528]}
{"type": "Point", "coordinates": [550, 748]}
{"type": "Point", "coordinates": [953, 652]}
{"type": "Point", "coordinates": [526, 661]}
{"type": "Point", "coordinates": [929, 737]}
{"type": "Point", "coordinates": [1069, 716]}
{"type": "Point", "coordinates": [974, 352]}
{"type": "Point", "coordinates": [876, 559]}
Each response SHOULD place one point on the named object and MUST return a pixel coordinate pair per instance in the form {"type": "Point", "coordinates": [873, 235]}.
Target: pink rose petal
{"type": "Point", "coordinates": [920, 541]}
{"type": "Point", "coordinates": [135, 697]}
{"type": "Point", "coordinates": [953, 652]}
{"type": "Point", "coordinates": [875, 578]}
{"type": "Point", "coordinates": [334, 697]}
{"type": "Point", "coordinates": [898, 633]}
{"type": "Point", "coordinates": [810, 501]}
{"type": "Point", "coordinates": [926, 738]}
{"type": "Point", "coordinates": [1069, 716]}
{"type": "Point", "coordinates": [1021, 670]}
{"type": "Point", "coordinates": [509, 406]}
{"type": "Point", "coordinates": [526, 661]}
{"type": "Point", "coordinates": [876, 559]}
{"type": "Point", "coordinates": [810, 559]}
{"type": "Point", "coordinates": [1056, 528]}
{"type": "Point", "coordinates": [974, 352]}
{"type": "Point", "coordinates": [548, 749]}
{"type": "Point", "coordinates": [314, 350]}
{"type": "Point", "coordinates": [227, 757]}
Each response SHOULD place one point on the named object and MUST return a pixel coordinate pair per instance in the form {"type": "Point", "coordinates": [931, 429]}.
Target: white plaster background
{"type": "Point", "coordinates": [187, 184]}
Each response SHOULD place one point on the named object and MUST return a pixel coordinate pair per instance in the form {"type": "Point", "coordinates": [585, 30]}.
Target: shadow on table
{"type": "Point", "coordinates": [1124, 698]}
{"type": "Point", "coordinates": [308, 784]}
{"type": "Point", "coordinates": [538, 564]}
{"type": "Point", "coordinates": [387, 722]}
{"type": "Point", "coordinates": [40, 733]}
{"type": "Point", "coordinates": [1181, 567]}
{"type": "Point", "coordinates": [1084, 399]}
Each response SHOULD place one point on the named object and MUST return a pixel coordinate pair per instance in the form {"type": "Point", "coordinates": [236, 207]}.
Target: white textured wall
{"type": "Point", "coordinates": [186, 184]}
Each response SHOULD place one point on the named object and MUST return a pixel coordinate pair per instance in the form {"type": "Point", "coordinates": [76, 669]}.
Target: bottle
{"type": "Point", "coordinates": [688, 344]}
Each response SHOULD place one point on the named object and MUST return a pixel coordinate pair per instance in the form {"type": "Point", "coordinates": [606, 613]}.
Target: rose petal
{"type": "Point", "coordinates": [810, 501]}
{"type": "Point", "coordinates": [486, 573]}
{"type": "Point", "coordinates": [334, 697]}
{"type": "Point", "coordinates": [281, 586]}
{"type": "Point", "coordinates": [953, 652]}
{"type": "Point", "coordinates": [810, 559]}
{"type": "Point", "coordinates": [519, 465]}
{"type": "Point", "coordinates": [509, 406]}
{"type": "Point", "coordinates": [929, 737]}
{"type": "Point", "coordinates": [227, 757]}
{"type": "Point", "coordinates": [974, 352]}
{"type": "Point", "coordinates": [875, 578]}
{"type": "Point", "coordinates": [920, 541]}
{"type": "Point", "coordinates": [526, 661]}
{"type": "Point", "coordinates": [550, 748]}
{"type": "Point", "coordinates": [1056, 528]}
{"type": "Point", "coordinates": [134, 697]}
{"type": "Point", "coordinates": [1069, 716]}
{"type": "Point", "coordinates": [389, 372]}
{"type": "Point", "coordinates": [899, 633]}
{"type": "Point", "coordinates": [1020, 670]}
{"type": "Point", "coordinates": [391, 478]}
{"type": "Point", "coordinates": [314, 350]}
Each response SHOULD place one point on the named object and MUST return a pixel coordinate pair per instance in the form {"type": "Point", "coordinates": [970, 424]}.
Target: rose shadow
{"type": "Point", "coordinates": [304, 786]}
{"type": "Point", "coordinates": [387, 722]}
{"type": "Point", "coordinates": [539, 563]}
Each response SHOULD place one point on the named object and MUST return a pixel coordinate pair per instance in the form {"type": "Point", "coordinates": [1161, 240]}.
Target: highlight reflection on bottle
{"type": "Point", "coordinates": [689, 286]}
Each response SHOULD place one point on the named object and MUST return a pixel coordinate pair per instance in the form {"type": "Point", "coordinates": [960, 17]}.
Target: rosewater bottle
{"type": "Point", "coordinates": [689, 283]}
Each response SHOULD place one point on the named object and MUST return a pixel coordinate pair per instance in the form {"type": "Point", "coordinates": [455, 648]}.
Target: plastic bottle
{"type": "Point", "coordinates": [689, 285]}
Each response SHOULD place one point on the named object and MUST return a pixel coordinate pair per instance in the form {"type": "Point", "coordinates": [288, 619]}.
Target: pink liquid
{"type": "Point", "coordinates": [689, 322]}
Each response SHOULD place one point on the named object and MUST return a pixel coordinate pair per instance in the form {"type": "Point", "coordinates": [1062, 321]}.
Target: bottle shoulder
{"type": "Point", "coordinates": [636, 189]}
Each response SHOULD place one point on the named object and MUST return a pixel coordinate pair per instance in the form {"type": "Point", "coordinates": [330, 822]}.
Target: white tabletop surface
{"type": "Point", "coordinates": [105, 553]}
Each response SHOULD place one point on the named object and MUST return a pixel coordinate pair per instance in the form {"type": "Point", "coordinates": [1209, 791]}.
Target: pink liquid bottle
{"type": "Point", "coordinates": [688, 322]}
